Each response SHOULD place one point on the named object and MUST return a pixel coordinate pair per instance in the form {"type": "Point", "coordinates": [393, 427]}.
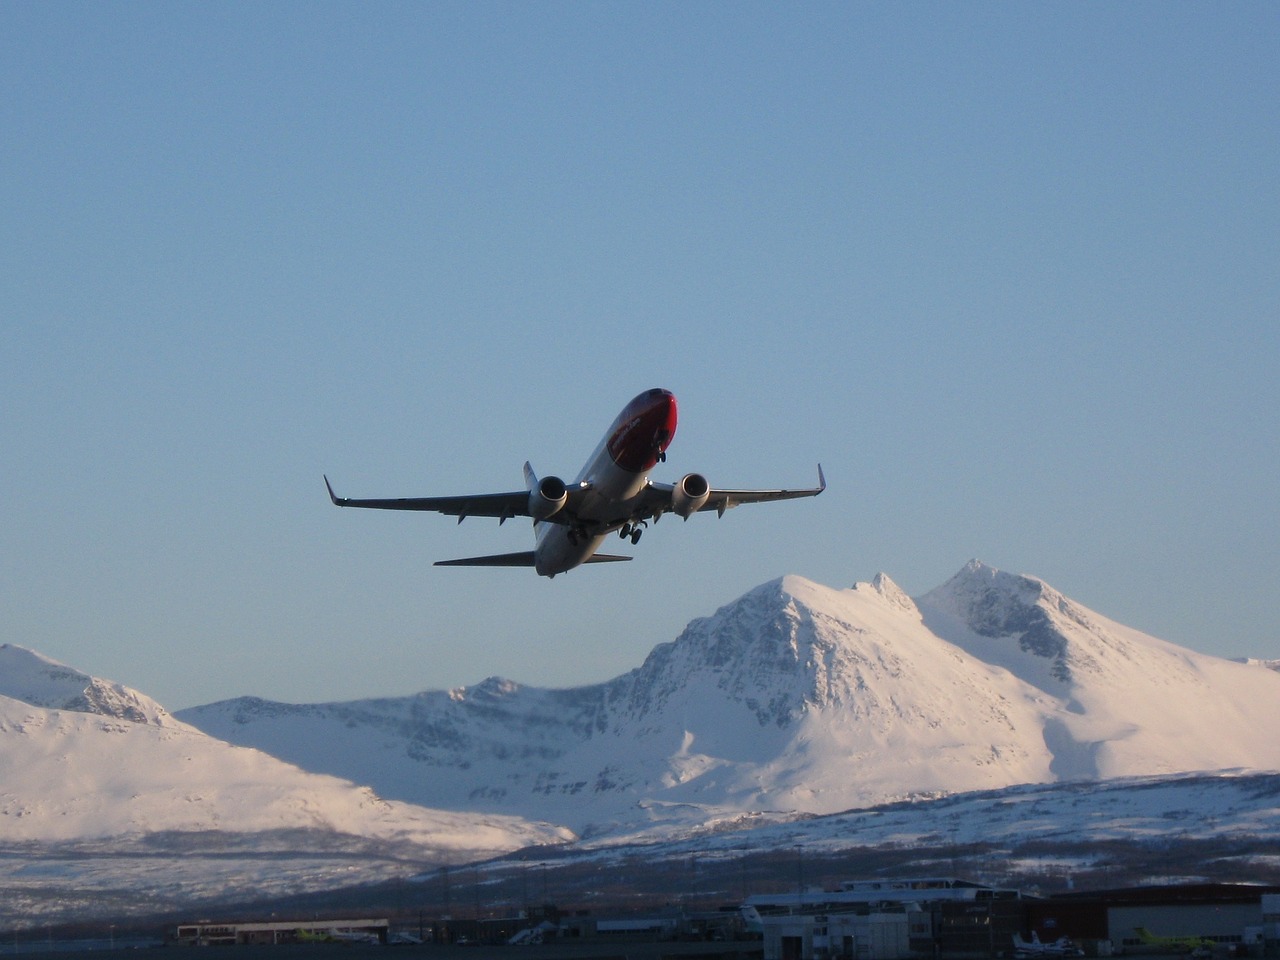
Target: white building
{"type": "Point", "coordinates": [874, 936]}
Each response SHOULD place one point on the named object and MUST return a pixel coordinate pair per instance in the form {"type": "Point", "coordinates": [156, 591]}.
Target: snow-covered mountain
{"type": "Point", "coordinates": [794, 699]}
{"type": "Point", "coordinates": [85, 758]}
{"type": "Point", "coordinates": [800, 697]}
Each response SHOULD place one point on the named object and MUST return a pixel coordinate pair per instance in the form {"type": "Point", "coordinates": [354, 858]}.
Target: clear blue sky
{"type": "Point", "coordinates": [1011, 272]}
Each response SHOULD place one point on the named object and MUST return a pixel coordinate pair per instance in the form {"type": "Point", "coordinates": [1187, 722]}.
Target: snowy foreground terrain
{"type": "Point", "coordinates": [991, 710]}
{"type": "Point", "coordinates": [110, 807]}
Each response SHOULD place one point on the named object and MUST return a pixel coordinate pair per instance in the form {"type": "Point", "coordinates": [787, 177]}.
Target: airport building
{"type": "Point", "coordinates": [893, 920]}
{"type": "Point", "coordinates": [204, 933]}
{"type": "Point", "coordinates": [1217, 917]}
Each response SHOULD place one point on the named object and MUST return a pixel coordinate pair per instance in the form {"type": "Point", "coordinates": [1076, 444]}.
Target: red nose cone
{"type": "Point", "coordinates": [643, 430]}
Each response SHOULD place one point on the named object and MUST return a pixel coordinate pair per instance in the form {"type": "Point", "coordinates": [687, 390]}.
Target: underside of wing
{"type": "Point", "coordinates": [722, 500]}
{"type": "Point", "coordinates": [500, 505]}
{"type": "Point", "coordinates": [659, 498]}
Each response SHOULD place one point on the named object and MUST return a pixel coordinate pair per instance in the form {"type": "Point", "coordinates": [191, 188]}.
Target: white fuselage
{"type": "Point", "coordinates": [555, 550]}
{"type": "Point", "coordinates": [614, 474]}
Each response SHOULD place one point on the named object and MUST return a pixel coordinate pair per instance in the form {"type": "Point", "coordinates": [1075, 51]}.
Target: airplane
{"type": "Point", "coordinates": [1035, 948]}
{"type": "Point", "coordinates": [1196, 946]}
{"type": "Point", "coordinates": [612, 494]}
{"type": "Point", "coordinates": [334, 936]}
{"type": "Point", "coordinates": [311, 936]}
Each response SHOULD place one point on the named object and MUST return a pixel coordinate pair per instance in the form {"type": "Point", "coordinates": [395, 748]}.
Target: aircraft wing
{"type": "Point", "coordinates": [500, 505]}
{"type": "Point", "coordinates": [657, 498]}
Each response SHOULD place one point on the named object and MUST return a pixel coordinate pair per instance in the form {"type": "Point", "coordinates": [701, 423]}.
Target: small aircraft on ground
{"type": "Point", "coordinates": [612, 494]}
{"type": "Point", "coordinates": [1196, 946]}
{"type": "Point", "coordinates": [1035, 948]}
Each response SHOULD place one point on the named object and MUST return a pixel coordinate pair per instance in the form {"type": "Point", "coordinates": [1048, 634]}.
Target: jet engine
{"type": "Point", "coordinates": [547, 498]}
{"type": "Point", "coordinates": [689, 495]}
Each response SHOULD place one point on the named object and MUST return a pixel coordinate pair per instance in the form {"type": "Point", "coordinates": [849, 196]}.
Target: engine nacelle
{"type": "Point", "coordinates": [547, 498]}
{"type": "Point", "coordinates": [689, 495]}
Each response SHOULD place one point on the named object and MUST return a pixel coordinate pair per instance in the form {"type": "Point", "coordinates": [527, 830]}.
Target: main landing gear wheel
{"type": "Point", "coordinates": [632, 530]}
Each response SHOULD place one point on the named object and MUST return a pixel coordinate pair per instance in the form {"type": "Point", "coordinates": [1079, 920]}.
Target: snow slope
{"type": "Point", "coordinates": [1191, 807]}
{"type": "Point", "coordinates": [1132, 704]}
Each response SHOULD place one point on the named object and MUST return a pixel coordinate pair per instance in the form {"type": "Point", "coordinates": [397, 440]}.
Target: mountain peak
{"type": "Point", "coordinates": [994, 603]}
{"type": "Point", "coordinates": [997, 605]}
{"type": "Point", "coordinates": [490, 688]}
{"type": "Point", "coordinates": [40, 681]}
{"type": "Point", "coordinates": [891, 592]}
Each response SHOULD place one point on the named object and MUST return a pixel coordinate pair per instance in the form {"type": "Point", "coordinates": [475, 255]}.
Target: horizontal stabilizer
{"type": "Point", "coordinates": [524, 559]}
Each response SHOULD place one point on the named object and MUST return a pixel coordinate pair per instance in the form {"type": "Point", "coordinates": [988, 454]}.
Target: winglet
{"type": "Point", "coordinates": [332, 496]}
{"type": "Point", "coordinates": [822, 481]}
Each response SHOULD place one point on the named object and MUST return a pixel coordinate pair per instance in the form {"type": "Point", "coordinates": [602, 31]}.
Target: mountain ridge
{"type": "Point", "coordinates": [797, 696]}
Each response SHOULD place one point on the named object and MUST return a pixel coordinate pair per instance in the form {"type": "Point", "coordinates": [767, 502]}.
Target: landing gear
{"type": "Point", "coordinates": [632, 530]}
